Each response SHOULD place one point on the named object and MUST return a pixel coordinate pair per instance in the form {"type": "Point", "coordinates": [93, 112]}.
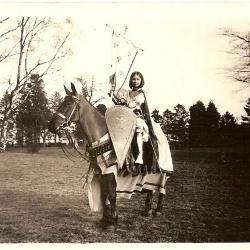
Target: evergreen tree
{"type": "Point", "coordinates": [34, 114]}
{"type": "Point", "coordinates": [176, 125]}
{"type": "Point", "coordinates": [167, 125]}
{"type": "Point", "coordinates": [228, 129]}
{"type": "Point", "coordinates": [180, 124]}
{"type": "Point", "coordinates": [212, 125]}
{"type": "Point", "coordinates": [54, 102]}
{"type": "Point", "coordinates": [157, 117]}
{"type": "Point", "coordinates": [197, 124]}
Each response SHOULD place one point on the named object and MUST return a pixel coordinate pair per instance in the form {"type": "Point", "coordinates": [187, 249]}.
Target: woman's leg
{"type": "Point", "coordinates": [139, 138]}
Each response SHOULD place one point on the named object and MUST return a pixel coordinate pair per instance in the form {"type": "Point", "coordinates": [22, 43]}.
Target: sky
{"type": "Point", "coordinates": [183, 59]}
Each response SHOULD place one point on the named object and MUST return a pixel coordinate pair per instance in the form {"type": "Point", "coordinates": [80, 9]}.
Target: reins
{"type": "Point", "coordinates": [93, 151]}
{"type": "Point", "coordinates": [65, 126]}
{"type": "Point", "coordinates": [72, 144]}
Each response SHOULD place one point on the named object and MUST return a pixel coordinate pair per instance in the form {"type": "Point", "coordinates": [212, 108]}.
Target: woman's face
{"type": "Point", "coordinates": [136, 81]}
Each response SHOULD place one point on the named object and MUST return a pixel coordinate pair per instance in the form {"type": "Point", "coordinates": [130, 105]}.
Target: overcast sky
{"type": "Point", "coordinates": [183, 58]}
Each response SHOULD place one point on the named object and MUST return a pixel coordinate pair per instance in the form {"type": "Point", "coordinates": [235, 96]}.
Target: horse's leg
{"type": "Point", "coordinates": [158, 210]}
{"type": "Point", "coordinates": [112, 198]}
{"type": "Point", "coordinates": [104, 196]}
{"type": "Point", "coordinates": [148, 203]}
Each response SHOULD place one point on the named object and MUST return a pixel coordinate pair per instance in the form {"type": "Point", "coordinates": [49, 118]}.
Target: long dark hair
{"type": "Point", "coordinates": [131, 77]}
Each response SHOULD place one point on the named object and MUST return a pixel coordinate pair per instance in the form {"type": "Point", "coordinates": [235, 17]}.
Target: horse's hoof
{"type": "Point", "coordinates": [109, 224]}
{"type": "Point", "coordinates": [109, 228]}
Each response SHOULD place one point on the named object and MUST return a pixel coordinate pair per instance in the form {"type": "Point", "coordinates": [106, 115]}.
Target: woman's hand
{"type": "Point", "coordinates": [123, 101]}
{"type": "Point", "coordinates": [132, 104]}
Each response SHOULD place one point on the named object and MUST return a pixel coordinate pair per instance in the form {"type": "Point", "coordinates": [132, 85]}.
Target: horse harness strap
{"type": "Point", "coordinates": [67, 119]}
{"type": "Point", "coordinates": [100, 149]}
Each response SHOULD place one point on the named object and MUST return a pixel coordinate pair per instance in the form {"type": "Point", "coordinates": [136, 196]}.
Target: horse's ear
{"type": "Point", "coordinates": [66, 90]}
{"type": "Point", "coordinates": [73, 88]}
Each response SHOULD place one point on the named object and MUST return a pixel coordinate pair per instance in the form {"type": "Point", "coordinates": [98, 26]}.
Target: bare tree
{"type": "Point", "coordinates": [240, 52]}
{"type": "Point", "coordinates": [38, 44]}
{"type": "Point", "coordinates": [7, 29]}
{"type": "Point", "coordinates": [89, 88]}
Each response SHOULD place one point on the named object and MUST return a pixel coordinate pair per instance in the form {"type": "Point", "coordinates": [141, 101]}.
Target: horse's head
{"type": "Point", "coordinates": [67, 112]}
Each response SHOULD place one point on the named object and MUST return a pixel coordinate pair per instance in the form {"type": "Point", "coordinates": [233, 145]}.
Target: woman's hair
{"type": "Point", "coordinates": [131, 77]}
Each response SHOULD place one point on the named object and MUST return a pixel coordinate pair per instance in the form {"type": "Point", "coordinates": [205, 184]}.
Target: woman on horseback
{"type": "Point", "coordinates": [146, 139]}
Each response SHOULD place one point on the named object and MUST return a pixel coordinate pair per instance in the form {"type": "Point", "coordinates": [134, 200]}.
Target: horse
{"type": "Point", "coordinates": [76, 108]}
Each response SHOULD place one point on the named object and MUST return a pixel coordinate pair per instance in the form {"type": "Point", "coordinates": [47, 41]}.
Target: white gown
{"type": "Point", "coordinates": [165, 158]}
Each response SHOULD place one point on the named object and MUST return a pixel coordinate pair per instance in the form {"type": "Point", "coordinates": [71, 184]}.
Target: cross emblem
{"type": "Point", "coordinates": [121, 121]}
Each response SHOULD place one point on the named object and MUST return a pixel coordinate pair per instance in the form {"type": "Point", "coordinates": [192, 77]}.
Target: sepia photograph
{"type": "Point", "coordinates": [124, 122]}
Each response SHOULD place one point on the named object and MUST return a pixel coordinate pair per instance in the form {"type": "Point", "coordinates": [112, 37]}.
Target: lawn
{"type": "Point", "coordinates": [42, 200]}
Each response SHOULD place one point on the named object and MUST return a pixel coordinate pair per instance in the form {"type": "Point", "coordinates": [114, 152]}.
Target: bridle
{"type": "Point", "coordinates": [98, 149]}
{"type": "Point", "coordinates": [68, 119]}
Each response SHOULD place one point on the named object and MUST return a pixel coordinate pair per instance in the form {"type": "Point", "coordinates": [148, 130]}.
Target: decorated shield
{"type": "Point", "coordinates": [121, 123]}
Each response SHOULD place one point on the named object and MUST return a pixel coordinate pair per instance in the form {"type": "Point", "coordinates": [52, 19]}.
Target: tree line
{"type": "Point", "coordinates": [203, 126]}
{"type": "Point", "coordinates": [199, 126]}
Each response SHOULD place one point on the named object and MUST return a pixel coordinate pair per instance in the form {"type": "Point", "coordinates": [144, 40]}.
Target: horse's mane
{"type": "Point", "coordinates": [92, 106]}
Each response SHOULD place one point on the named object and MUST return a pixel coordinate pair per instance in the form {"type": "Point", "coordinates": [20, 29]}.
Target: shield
{"type": "Point", "coordinates": [121, 123]}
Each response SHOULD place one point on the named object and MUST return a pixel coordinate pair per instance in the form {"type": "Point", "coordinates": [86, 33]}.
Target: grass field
{"type": "Point", "coordinates": [42, 200]}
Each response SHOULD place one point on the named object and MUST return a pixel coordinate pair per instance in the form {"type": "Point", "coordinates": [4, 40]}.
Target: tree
{"type": "Point", "coordinates": [7, 29]}
{"type": "Point", "coordinates": [167, 124]}
{"type": "Point", "coordinates": [175, 125]}
{"type": "Point", "coordinates": [245, 126]}
{"type": "Point", "coordinates": [89, 88]}
{"type": "Point", "coordinates": [212, 125]}
{"type": "Point", "coordinates": [180, 124]}
{"type": "Point", "coordinates": [10, 127]}
{"type": "Point", "coordinates": [36, 45]}
{"type": "Point", "coordinates": [246, 118]}
{"type": "Point", "coordinates": [157, 117]}
{"type": "Point", "coordinates": [54, 102]}
{"type": "Point", "coordinates": [197, 124]}
{"type": "Point", "coordinates": [228, 129]}
{"type": "Point", "coordinates": [240, 51]}
{"type": "Point", "coordinates": [34, 114]}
